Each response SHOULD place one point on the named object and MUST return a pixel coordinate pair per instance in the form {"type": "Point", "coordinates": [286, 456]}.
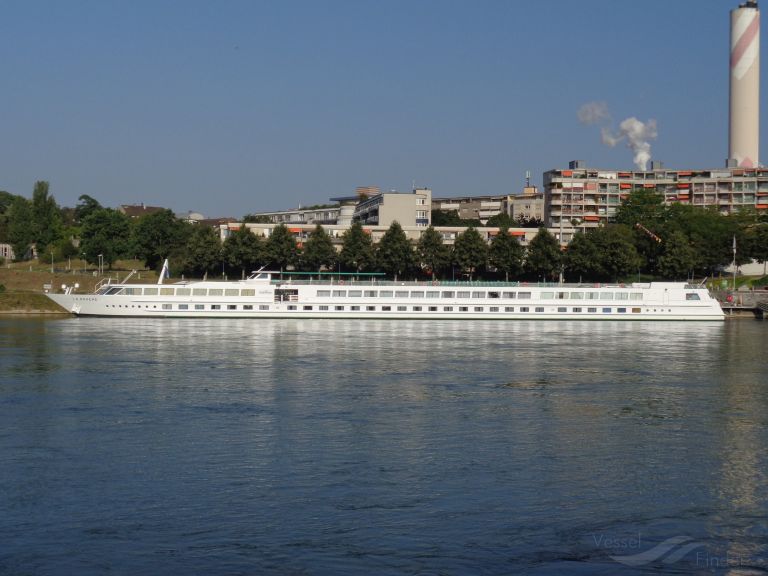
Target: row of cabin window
{"type": "Point", "coordinates": [215, 307]}
{"type": "Point", "coordinates": [308, 307]}
{"type": "Point", "coordinates": [128, 291]}
{"type": "Point", "coordinates": [636, 296]}
{"type": "Point", "coordinates": [561, 309]}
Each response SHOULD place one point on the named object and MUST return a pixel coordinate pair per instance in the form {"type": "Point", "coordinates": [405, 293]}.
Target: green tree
{"type": "Point", "coordinates": [711, 236]}
{"type": "Point", "coordinates": [21, 233]}
{"type": "Point", "coordinates": [256, 219]}
{"type": "Point", "coordinates": [357, 251]}
{"type": "Point", "coordinates": [202, 252]}
{"type": "Point", "coordinates": [617, 254]}
{"type": "Point", "coordinates": [643, 205]}
{"type": "Point", "coordinates": [743, 225]}
{"type": "Point", "coordinates": [107, 232]}
{"type": "Point", "coordinates": [394, 252]}
{"type": "Point", "coordinates": [61, 249]}
{"type": "Point", "coordinates": [760, 243]}
{"type": "Point", "coordinates": [523, 221]}
{"type": "Point", "coordinates": [158, 235]}
{"type": "Point", "coordinates": [582, 258]}
{"type": "Point", "coordinates": [501, 220]}
{"type": "Point", "coordinates": [432, 252]}
{"type": "Point", "coordinates": [648, 245]}
{"type": "Point", "coordinates": [85, 206]}
{"type": "Point", "coordinates": [677, 258]}
{"type": "Point", "coordinates": [6, 200]}
{"type": "Point", "coordinates": [318, 250]}
{"type": "Point", "coordinates": [46, 217]}
{"type": "Point", "coordinates": [544, 257]}
{"type": "Point", "coordinates": [506, 253]}
{"type": "Point", "coordinates": [446, 218]}
{"type": "Point", "coordinates": [281, 247]}
{"type": "Point", "coordinates": [470, 251]}
{"type": "Point", "coordinates": [244, 251]}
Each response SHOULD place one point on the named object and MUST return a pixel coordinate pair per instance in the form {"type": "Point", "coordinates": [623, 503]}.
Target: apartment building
{"type": "Point", "coordinates": [475, 207]}
{"type": "Point", "coordinates": [340, 212]}
{"type": "Point", "coordinates": [301, 232]}
{"type": "Point", "coordinates": [409, 209]}
{"type": "Point", "coordinates": [583, 197]}
{"type": "Point", "coordinates": [529, 205]}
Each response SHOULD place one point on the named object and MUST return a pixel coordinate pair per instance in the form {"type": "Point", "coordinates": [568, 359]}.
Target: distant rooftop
{"type": "Point", "coordinates": [344, 199]}
{"type": "Point", "coordinates": [138, 210]}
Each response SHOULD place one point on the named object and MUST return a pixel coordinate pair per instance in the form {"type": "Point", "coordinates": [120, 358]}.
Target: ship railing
{"type": "Point", "coordinates": [101, 283]}
{"type": "Point", "coordinates": [427, 283]}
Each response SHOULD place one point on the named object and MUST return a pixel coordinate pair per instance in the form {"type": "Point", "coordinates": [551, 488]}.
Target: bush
{"type": "Point", "coordinates": [61, 250]}
{"type": "Point", "coordinates": [2, 288]}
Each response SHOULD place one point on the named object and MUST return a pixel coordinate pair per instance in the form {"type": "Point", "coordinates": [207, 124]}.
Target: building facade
{"type": "Point", "coordinates": [314, 215]}
{"type": "Point", "coordinates": [529, 205]}
{"type": "Point", "coordinates": [338, 213]}
{"type": "Point", "coordinates": [475, 207]}
{"type": "Point", "coordinates": [409, 209]}
{"type": "Point", "coordinates": [6, 252]}
{"type": "Point", "coordinates": [582, 197]}
{"type": "Point", "coordinates": [301, 232]}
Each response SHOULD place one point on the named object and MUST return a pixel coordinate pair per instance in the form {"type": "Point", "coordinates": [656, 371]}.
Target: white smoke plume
{"type": "Point", "coordinates": [635, 133]}
{"type": "Point", "coordinates": [594, 113]}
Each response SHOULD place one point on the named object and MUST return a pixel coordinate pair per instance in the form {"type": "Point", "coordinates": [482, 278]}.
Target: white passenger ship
{"type": "Point", "coordinates": [269, 295]}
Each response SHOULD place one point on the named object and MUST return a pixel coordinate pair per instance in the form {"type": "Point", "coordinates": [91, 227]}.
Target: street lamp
{"type": "Point", "coordinates": [101, 264]}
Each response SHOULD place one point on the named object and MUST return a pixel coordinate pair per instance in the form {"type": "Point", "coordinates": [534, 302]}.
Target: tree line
{"type": "Point", "coordinates": [645, 237]}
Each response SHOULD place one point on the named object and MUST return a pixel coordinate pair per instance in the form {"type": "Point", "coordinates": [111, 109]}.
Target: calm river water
{"type": "Point", "coordinates": [382, 447]}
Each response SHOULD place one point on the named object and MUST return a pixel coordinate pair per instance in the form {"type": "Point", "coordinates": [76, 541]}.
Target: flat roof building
{"type": "Point", "coordinates": [475, 207]}
{"type": "Point", "coordinates": [301, 232]}
{"type": "Point", "coordinates": [408, 209]}
{"type": "Point", "coordinates": [582, 197]}
{"type": "Point", "coordinates": [528, 206]}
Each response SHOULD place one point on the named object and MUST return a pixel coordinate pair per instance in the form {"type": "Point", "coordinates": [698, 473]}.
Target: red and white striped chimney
{"type": "Point", "coordinates": [744, 125]}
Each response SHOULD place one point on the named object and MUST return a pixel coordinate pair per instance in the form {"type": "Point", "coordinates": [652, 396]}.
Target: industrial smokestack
{"type": "Point", "coordinates": [744, 125]}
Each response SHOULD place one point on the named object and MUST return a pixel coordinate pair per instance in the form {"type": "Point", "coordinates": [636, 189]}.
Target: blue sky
{"type": "Point", "coordinates": [234, 106]}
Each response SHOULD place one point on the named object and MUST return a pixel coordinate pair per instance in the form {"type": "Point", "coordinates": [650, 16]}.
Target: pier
{"type": "Point", "coordinates": [753, 302]}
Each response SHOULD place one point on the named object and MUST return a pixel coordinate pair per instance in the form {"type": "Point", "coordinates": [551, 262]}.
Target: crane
{"type": "Point", "coordinates": [644, 229]}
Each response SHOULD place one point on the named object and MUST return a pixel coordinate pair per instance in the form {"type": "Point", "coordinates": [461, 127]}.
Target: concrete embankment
{"type": "Point", "coordinates": [743, 303]}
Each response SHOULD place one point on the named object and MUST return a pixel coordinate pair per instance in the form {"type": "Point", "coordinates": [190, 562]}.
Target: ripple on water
{"type": "Point", "coordinates": [273, 447]}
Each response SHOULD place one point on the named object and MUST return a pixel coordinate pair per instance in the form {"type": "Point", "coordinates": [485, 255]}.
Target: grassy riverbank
{"type": "Point", "coordinates": [28, 303]}
{"type": "Point", "coordinates": [24, 283]}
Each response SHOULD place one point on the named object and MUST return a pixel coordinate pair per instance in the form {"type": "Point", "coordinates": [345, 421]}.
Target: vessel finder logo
{"type": "Point", "coordinates": [669, 552]}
